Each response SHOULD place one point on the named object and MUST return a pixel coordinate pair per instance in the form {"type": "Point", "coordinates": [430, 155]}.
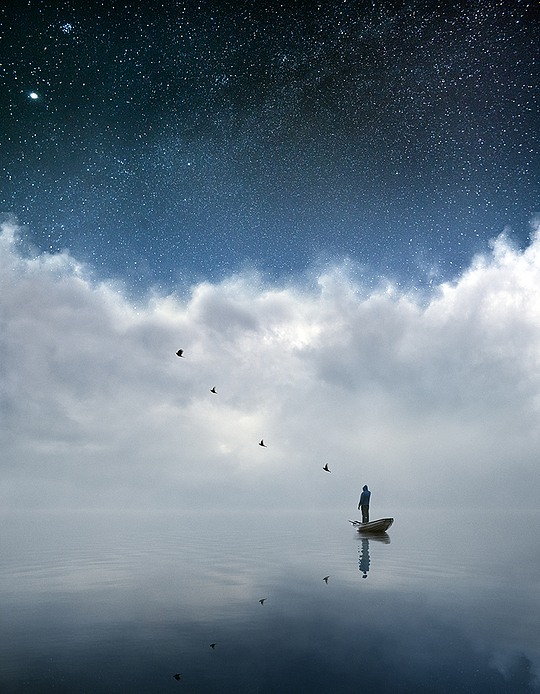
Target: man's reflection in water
{"type": "Point", "coordinates": [363, 551]}
{"type": "Point", "coordinates": [363, 563]}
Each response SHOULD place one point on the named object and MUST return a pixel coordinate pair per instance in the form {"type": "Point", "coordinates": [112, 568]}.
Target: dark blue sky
{"type": "Point", "coordinates": [169, 141]}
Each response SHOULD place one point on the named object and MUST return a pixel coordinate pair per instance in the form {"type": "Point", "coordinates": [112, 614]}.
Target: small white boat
{"type": "Point", "coordinates": [380, 525]}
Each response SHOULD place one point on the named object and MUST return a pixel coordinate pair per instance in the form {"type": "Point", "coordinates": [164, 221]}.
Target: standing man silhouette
{"type": "Point", "coordinates": [364, 503]}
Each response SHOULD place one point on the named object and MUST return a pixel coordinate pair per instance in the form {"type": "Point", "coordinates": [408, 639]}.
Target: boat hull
{"type": "Point", "coordinates": [380, 525]}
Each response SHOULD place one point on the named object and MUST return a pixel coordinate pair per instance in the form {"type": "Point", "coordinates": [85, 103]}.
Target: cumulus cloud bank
{"type": "Point", "coordinates": [431, 403]}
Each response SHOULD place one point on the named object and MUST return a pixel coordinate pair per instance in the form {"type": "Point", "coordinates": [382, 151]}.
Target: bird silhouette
{"type": "Point", "coordinates": [213, 390]}
{"type": "Point", "coordinates": [178, 676]}
{"type": "Point", "coordinates": [180, 353]}
{"type": "Point", "coordinates": [212, 645]}
{"type": "Point", "coordinates": [262, 443]}
{"type": "Point", "coordinates": [262, 601]}
{"type": "Point", "coordinates": [325, 468]}
{"type": "Point", "coordinates": [325, 579]}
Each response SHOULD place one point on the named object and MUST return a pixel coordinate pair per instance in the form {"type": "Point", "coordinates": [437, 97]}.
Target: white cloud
{"type": "Point", "coordinates": [429, 403]}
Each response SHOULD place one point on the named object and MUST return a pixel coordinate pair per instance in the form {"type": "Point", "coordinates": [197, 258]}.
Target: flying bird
{"type": "Point", "coordinates": [180, 353]}
{"type": "Point", "coordinates": [262, 443]}
{"type": "Point", "coordinates": [212, 645]}
{"type": "Point", "coordinates": [213, 390]}
{"type": "Point", "coordinates": [325, 468]}
{"type": "Point", "coordinates": [262, 601]}
{"type": "Point", "coordinates": [325, 579]}
{"type": "Point", "coordinates": [178, 676]}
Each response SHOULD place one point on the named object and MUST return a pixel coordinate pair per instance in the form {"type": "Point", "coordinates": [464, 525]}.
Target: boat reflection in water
{"type": "Point", "coordinates": [374, 530]}
{"type": "Point", "coordinates": [363, 550]}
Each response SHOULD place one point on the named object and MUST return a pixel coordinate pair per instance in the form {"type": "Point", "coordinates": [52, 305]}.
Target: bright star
{"type": "Point", "coordinates": [33, 95]}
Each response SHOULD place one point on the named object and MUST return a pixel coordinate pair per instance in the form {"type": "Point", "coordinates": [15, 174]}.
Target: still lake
{"type": "Point", "coordinates": [105, 603]}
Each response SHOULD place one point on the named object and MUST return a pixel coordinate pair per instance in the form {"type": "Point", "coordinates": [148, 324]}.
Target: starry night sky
{"type": "Point", "coordinates": [163, 142]}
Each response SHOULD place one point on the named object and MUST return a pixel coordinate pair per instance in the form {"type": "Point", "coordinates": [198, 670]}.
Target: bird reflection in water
{"type": "Point", "coordinates": [364, 560]}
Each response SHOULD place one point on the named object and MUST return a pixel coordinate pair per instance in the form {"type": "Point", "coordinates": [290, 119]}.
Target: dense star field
{"type": "Point", "coordinates": [166, 142]}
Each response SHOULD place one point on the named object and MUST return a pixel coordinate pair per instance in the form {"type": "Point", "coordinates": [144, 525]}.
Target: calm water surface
{"type": "Point", "coordinates": [121, 602]}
